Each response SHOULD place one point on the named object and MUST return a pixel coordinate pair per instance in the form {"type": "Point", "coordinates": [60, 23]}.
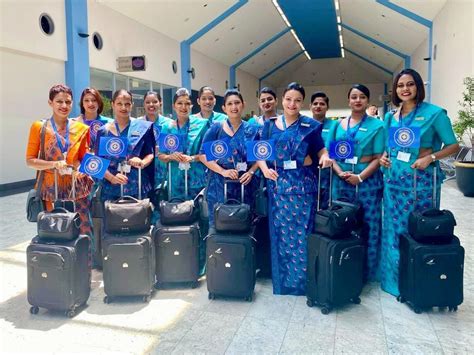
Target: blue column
{"type": "Point", "coordinates": [185, 65]}
{"type": "Point", "coordinates": [77, 64]}
{"type": "Point", "coordinates": [385, 106]}
{"type": "Point", "coordinates": [232, 76]}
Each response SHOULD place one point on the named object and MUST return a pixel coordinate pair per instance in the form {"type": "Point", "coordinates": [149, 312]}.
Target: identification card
{"type": "Point", "coordinates": [352, 160]}
{"type": "Point", "coordinates": [404, 156]}
{"type": "Point", "coordinates": [65, 171]}
{"type": "Point", "coordinates": [289, 164]}
{"type": "Point", "coordinates": [125, 168]}
{"type": "Point", "coordinates": [242, 166]}
{"type": "Point", "coordinates": [184, 166]}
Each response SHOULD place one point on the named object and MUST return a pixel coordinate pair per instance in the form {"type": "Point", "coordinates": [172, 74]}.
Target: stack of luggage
{"type": "Point", "coordinates": [230, 269]}
{"type": "Point", "coordinates": [431, 259]}
{"type": "Point", "coordinates": [128, 248]}
{"type": "Point", "coordinates": [177, 238]}
{"type": "Point", "coordinates": [336, 256]}
{"type": "Point", "coordinates": [59, 276]}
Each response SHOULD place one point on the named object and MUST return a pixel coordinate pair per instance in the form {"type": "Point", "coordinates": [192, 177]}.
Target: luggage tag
{"type": "Point", "coordinates": [289, 164]}
{"type": "Point", "coordinates": [352, 160]}
{"type": "Point", "coordinates": [184, 166]}
{"type": "Point", "coordinates": [403, 156]}
{"type": "Point", "coordinates": [242, 166]}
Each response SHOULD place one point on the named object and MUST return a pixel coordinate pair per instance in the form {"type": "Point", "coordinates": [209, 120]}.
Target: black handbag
{"type": "Point", "coordinates": [34, 203]}
{"type": "Point", "coordinates": [127, 215]}
{"type": "Point", "coordinates": [432, 226]}
{"type": "Point", "coordinates": [59, 224]}
{"type": "Point", "coordinates": [178, 212]}
{"type": "Point", "coordinates": [232, 216]}
{"type": "Point", "coordinates": [335, 222]}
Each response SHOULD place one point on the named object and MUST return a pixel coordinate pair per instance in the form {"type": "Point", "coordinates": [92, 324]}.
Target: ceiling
{"type": "Point", "coordinates": [314, 21]}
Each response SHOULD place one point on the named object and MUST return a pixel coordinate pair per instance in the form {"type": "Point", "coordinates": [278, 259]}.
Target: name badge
{"type": "Point", "coordinates": [124, 168]}
{"type": "Point", "coordinates": [325, 130]}
{"type": "Point", "coordinates": [421, 118]}
{"type": "Point", "coordinates": [352, 160]}
{"type": "Point", "coordinates": [184, 166]}
{"type": "Point", "coordinates": [404, 156]}
{"type": "Point", "coordinates": [135, 134]}
{"type": "Point", "coordinates": [242, 166]}
{"type": "Point", "coordinates": [289, 164]}
{"type": "Point", "coordinates": [362, 129]}
{"type": "Point", "coordinates": [304, 124]}
{"type": "Point", "coordinates": [65, 171]}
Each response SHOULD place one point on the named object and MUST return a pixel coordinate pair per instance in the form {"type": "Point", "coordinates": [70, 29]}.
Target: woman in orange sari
{"type": "Point", "coordinates": [66, 143]}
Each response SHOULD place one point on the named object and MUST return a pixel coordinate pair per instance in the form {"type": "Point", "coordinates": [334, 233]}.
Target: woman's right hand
{"type": "Point", "coordinates": [270, 174]}
{"type": "Point", "coordinates": [119, 179]}
{"type": "Point", "coordinates": [385, 161]}
{"type": "Point", "coordinates": [60, 164]}
{"type": "Point", "coordinates": [230, 174]}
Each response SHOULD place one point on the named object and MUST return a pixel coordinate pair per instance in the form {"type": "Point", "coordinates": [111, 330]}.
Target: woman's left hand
{"type": "Point", "coordinates": [136, 162]}
{"type": "Point", "coordinates": [325, 161]}
{"type": "Point", "coordinates": [352, 179]}
{"type": "Point", "coordinates": [422, 163]}
{"type": "Point", "coordinates": [186, 158]}
{"type": "Point", "coordinates": [246, 178]}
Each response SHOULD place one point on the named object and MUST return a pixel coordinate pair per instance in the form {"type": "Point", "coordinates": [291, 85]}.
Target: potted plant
{"type": "Point", "coordinates": [465, 126]}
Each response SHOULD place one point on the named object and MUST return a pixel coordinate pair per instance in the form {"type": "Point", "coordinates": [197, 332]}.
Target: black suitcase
{"type": "Point", "coordinates": [431, 275]}
{"type": "Point", "coordinates": [335, 271]}
{"type": "Point", "coordinates": [59, 277]}
{"type": "Point", "coordinates": [128, 266]}
{"type": "Point", "coordinates": [177, 254]}
{"type": "Point", "coordinates": [230, 270]}
{"type": "Point", "coordinates": [263, 248]}
{"type": "Point", "coordinates": [233, 216]}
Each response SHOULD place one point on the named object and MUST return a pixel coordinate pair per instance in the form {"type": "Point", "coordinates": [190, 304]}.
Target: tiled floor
{"type": "Point", "coordinates": [185, 321]}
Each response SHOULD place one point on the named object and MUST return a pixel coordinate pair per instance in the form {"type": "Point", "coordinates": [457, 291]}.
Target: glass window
{"type": "Point", "coordinates": [168, 93]}
{"type": "Point", "coordinates": [138, 88]}
{"type": "Point", "coordinates": [103, 81]}
{"type": "Point", "coordinates": [121, 82]}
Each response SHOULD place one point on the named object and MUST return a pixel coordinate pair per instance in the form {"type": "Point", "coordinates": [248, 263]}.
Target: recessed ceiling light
{"type": "Point", "coordinates": [205, 5]}
{"type": "Point", "coordinates": [232, 28]}
{"type": "Point", "coordinates": [383, 15]}
{"type": "Point", "coordinates": [373, 47]}
{"type": "Point", "coordinates": [264, 53]}
{"type": "Point", "coordinates": [216, 39]}
{"type": "Point", "coordinates": [251, 43]}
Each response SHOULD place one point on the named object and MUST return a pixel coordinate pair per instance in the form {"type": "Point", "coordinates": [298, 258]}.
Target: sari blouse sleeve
{"type": "Point", "coordinates": [379, 142]}
{"type": "Point", "coordinates": [34, 143]}
{"type": "Point", "coordinates": [444, 129]}
{"type": "Point", "coordinates": [316, 143]}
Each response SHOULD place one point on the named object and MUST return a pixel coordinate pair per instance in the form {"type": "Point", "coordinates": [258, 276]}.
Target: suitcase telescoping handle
{"type": "Point", "coordinates": [242, 192]}
{"type": "Point", "coordinates": [186, 195]}
{"type": "Point", "coordinates": [435, 180]}
{"type": "Point", "coordinates": [139, 185]}
{"type": "Point", "coordinates": [319, 187]}
{"type": "Point", "coordinates": [73, 186]}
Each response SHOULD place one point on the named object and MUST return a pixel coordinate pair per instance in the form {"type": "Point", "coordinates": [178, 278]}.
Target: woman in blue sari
{"type": "Point", "coordinates": [206, 101]}
{"type": "Point", "coordinates": [359, 179]}
{"type": "Point", "coordinates": [235, 167]}
{"type": "Point", "coordinates": [140, 151]}
{"type": "Point", "coordinates": [292, 185]}
{"type": "Point", "coordinates": [437, 141]}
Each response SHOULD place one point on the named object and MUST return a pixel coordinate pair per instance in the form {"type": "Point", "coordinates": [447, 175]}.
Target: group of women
{"type": "Point", "coordinates": [379, 177]}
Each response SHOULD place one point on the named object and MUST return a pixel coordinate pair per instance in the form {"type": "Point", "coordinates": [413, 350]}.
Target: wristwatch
{"type": "Point", "coordinates": [433, 157]}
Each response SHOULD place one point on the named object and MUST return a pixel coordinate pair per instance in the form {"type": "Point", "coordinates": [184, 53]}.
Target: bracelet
{"type": "Point", "coordinates": [360, 179]}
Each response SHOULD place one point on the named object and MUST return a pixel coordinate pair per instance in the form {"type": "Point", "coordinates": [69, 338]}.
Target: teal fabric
{"type": "Point", "coordinates": [327, 131]}
{"type": "Point", "coordinates": [399, 198]}
{"type": "Point", "coordinates": [215, 117]}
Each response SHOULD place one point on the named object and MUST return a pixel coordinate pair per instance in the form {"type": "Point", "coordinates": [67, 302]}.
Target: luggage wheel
{"type": "Point", "coordinates": [146, 298]}
{"type": "Point", "coordinates": [355, 300]}
{"type": "Point", "coordinates": [325, 310]}
{"type": "Point", "coordinates": [34, 310]}
{"type": "Point", "coordinates": [309, 303]}
{"type": "Point", "coordinates": [71, 313]}
{"type": "Point", "coordinates": [453, 309]}
{"type": "Point", "coordinates": [157, 285]}
{"type": "Point", "coordinates": [400, 299]}
{"type": "Point", "coordinates": [107, 299]}
{"type": "Point", "coordinates": [417, 310]}
{"type": "Point", "coordinates": [211, 296]}
{"type": "Point", "coordinates": [248, 298]}
{"type": "Point", "coordinates": [194, 284]}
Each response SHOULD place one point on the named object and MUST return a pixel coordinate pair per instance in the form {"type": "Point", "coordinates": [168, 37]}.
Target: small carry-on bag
{"type": "Point", "coordinates": [230, 270]}
{"type": "Point", "coordinates": [335, 269]}
{"type": "Point", "coordinates": [232, 216]}
{"type": "Point", "coordinates": [432, 225]}
{"type": "Point", "coordinates": [59, 277]}
{"type": "Point", "coordinates": [129, 260]}
{"type": "Point", "coordinates": [431, 275]}
{"type": "Point", "coordinates": [178, 211]}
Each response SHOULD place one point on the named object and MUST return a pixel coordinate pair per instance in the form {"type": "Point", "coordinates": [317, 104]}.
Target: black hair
{"type": "Point", "coordinates": [154, 93]}
{"type": "Point", "coordinates": [205, 88]}
{"type": "Point", "coordinates": [420, 86]}
{"type": "Point", "coordinates": [320, 94]}
{"type": "Point", "coordinates": [94, 92]}
{"type": "Point", "coordinates": [58, 88]}
{"type": "Point", "coordinates": [119, 92]}
{"type": "Point", "coordinates": [181, 92]}
{"type": "Point", "coordinates": [232, 92]}
{"type": "Point", "coordinates": [362, 88]}
{"type": "Point", "coordinates": [267, 90]}
{"type": "Point", "coordinates": [295, 86]}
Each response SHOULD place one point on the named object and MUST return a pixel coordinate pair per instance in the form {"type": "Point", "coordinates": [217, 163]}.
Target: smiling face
{"type": "Point", "coordinates": [233, 107]}
{"type": "Point", "coordinates": [319, 107]}
{"type": "Point", "coordinates": [267, 103]}
{"type": "Point", "coordinates": [292, 102]}
{"type": "Point", "coordinates": [358, 101]}
{"type": "Point", "coordinates": [406, 88]}
{"type": "Point", "coordinates": [152, 105]}
{"type": "Point", "coordinates": [122, 106]}
{"type": "Point", "coordinates": [183, 107]}
{"type": "Point", "coordinates": [207, 101]}
{"type": "Point", "coordinates": [61, 105]}
{"type": "Point", "coordinates": [90, 104]}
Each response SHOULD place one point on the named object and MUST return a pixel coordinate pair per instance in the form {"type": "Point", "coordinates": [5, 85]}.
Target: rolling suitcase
{"type": "Point", "coordinates": [335, 270]}
{"type": "Point", "coordinates": [59, 277]}
{"type": "Point", "coordinates": [129, 260]}
{"type": "Point", "coordinates": [231, 268]}
{"type": "Point", "coordinates": [431, 275]}
{"type": "Point", "coordinates": [233, 216]}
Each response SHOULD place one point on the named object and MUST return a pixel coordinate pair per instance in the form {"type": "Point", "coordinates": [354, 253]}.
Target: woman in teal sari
{"type": "Point", "coordinates": [359, 179]}
{"type": "Point", "coordinates": [437, 141]}
{"type": "Point", "coordinates": [206, 101]}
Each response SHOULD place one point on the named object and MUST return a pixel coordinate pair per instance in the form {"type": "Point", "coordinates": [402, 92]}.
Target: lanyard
{"type": "Point", "coordinates": [61, 147]}
{"type": "Point", "coordinates": [232, 128]}
{"type": "Point", "coordinates": [351, 135]}
{"type": "Point", "coordinates": [408, 123]}
{"type": "Point", "coordinates": [118, 129]}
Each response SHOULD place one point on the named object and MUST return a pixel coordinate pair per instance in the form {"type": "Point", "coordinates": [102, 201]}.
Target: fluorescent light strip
{"type": "Point", "coordinates": [339, 27]}
{"type": "Point", "coordinates": [280, 11]}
